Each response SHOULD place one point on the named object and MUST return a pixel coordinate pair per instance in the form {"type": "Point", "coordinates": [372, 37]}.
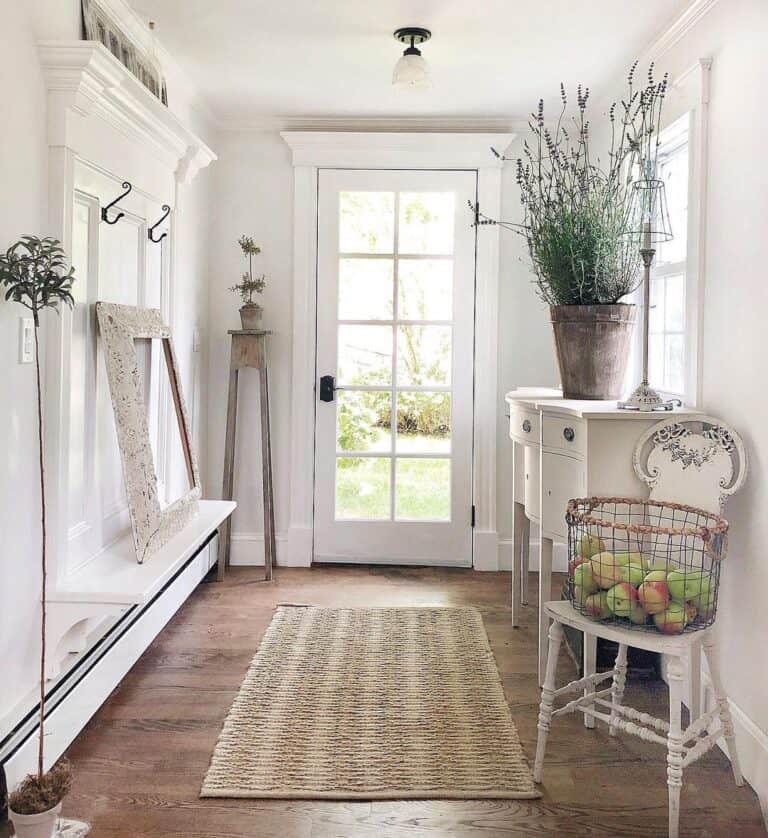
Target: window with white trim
{"type": "Point", "coordinates": [667, 343]}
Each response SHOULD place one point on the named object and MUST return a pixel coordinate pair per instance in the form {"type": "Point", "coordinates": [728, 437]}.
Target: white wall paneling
{"type": "Point", "coordinates": [312, 151]}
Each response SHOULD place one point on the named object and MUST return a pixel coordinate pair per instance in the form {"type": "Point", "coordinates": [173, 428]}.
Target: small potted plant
{"type": "Point", "coordinates": [35, 274]}
{"type": "Point", "coordinates": [250, 311]}
{"type": "Point", "coordinates": [576, 225]}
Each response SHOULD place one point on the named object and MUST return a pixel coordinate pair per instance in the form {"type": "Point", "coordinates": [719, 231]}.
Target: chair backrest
{"type": "Point", "coordinates": [698, 461]}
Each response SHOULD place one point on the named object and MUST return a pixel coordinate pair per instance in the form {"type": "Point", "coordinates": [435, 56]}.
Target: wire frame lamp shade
{"type": "Point", "coordinates": [648, 215]}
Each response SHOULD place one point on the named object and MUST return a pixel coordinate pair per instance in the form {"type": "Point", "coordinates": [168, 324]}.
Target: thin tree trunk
{"type": "Point", "coordinates": [44, 565]}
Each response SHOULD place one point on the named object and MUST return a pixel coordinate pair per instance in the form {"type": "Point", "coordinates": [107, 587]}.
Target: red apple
{"type": "Point", "coordinates": [671, 621]}
{"type": "Point", "coordinates": [691, 612]}
{"type": "Point", "coordinates": [620, 599]}
{"type": "Point", "coordinates": [574, 563]}
{"type": "Point", "coordinates": [637, 614]}
{"type": "Point", "coordinates": [597, 606]}
{"type": "Point", "coordinates": [653, 596]}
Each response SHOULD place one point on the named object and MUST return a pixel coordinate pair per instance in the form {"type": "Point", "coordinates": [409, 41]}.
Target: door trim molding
{"type": "Point", "coordinates": [313, 150]}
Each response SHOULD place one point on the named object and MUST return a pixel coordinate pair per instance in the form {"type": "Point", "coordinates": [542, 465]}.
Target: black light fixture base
{"type": "Point", "coordinates": [412, 35]}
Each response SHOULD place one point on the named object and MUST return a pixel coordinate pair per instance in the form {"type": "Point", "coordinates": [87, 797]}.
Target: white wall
{"type": "Point", "coordinates": [23, 178]}
{"type": "Point", "coordinates": [734, 34]}
{"type": "Point", "coordinates": [23, 209]}
{"type": "Point", "coordinates": [253, 196]}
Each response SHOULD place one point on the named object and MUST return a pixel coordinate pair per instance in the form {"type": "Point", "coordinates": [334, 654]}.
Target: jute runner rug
{"type": "Point", "coordinates": [371, 703]}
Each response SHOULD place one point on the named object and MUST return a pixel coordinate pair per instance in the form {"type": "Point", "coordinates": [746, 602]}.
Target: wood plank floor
{"type": "Point", "coordinates": [140, 761]}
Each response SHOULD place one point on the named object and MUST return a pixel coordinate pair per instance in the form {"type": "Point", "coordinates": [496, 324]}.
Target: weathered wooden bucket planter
{"type": "Point", "coordinates": [593, 344]}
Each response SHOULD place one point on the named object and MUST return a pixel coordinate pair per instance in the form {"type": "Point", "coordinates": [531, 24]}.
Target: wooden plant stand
{"type": "Point", "coordinates": [249, 349]}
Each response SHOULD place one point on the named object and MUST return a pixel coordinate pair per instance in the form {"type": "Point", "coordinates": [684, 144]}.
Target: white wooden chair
{"type": "Point", "coordinates": [700, 463]}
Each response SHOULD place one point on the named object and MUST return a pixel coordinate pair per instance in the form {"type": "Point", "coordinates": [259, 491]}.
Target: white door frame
{"type": "Point", "coordinates": [312, 150]}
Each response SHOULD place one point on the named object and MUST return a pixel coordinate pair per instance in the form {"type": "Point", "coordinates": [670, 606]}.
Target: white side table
{"type": "Point", "coordinates": [571, 449]}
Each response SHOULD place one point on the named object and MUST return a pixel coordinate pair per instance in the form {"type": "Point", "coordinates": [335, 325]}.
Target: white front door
{"type": "Point", "coordinates": [395, 338]}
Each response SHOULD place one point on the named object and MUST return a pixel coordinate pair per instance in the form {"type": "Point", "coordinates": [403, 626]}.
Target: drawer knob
{"type": "Point", "coordinates": [569, 434]}
{"type": "Point", "coordinates": [527, 426]}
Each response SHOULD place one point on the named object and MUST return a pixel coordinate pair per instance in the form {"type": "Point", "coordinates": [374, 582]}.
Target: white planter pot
{"type": "Point", "coordinates": [42, 825]}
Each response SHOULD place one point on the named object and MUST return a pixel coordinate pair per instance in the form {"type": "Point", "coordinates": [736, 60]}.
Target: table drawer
{"type": "Point", "coordinates": [524, 426]}
{"type": "Point", "coordinates": [565, 434]}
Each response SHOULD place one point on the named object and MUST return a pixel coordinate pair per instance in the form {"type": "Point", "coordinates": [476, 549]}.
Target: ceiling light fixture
{"type": "Point", "coordinates": [412, 71]}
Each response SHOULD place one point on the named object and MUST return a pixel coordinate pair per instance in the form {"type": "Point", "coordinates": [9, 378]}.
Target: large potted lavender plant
{"type": "Point", "coordinates": [576, 217]}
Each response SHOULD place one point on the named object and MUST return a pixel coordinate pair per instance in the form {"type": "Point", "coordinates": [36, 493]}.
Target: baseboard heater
{"type": "Point", "coordinates": [79, 692]}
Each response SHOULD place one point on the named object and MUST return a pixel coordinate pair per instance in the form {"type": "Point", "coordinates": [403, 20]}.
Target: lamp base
{"type": "Point", "coordinates": [646, 399]}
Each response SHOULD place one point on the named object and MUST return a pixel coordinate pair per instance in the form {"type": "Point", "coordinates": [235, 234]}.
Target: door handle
{"type": "Point", "coordinates": [327, 388]}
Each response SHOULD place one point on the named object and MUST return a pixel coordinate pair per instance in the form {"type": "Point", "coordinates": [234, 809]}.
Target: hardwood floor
{"type": "Point", "coordinates": [140, 761]}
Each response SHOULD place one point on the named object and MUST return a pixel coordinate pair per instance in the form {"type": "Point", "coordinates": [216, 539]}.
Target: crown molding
{"type": "Point", "coordinates": [678, 28]}
{"type": "Point", "coordinates": [397, 149]}
{"type": "Point", "coordinates": [384, 124]}
{"type": "Point", "coordinates": [83, 78]}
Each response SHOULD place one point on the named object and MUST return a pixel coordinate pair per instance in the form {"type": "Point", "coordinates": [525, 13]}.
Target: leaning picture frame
{"type": "Point", "coordinates": [152, 525]}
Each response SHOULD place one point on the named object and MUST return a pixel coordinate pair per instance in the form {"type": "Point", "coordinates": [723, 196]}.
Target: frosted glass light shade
{"type": "Point", "coordinates": [411, 73]}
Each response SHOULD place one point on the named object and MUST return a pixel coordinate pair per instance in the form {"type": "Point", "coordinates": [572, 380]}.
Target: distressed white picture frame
{"type": "Point", "coordinates": [152, 526]}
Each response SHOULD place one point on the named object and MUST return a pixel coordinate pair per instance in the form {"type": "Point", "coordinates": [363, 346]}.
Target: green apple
{"type": "Point", "coordinates": [705, 603]}
{"type": "Point", "coordinates": [579, 596]}
{"type": "Point", "coordinates": [583, 578]}
{"type": "Point", "coordinates": [631, 557]}
{"type": "Point", "coordinates": [655, 576]}
{"type": "Point", "coordinates": [590, 545]}
{"type": "Point", "coordinates": [636, 573]}
{"type": "Point", "coordinates": [637, 614]}
{"type": "Point", "coordinates": [662, 564]}
{"type": "Point", "coordinates": [620, 599]}
{"type": "Point", "coordinates": [672, 620]}
{"type": "Point", "coordinates": [653, 595]}
{"type": "Point", "coordinates": [608, 570]}
{"type": "Point", "coordinates": [597, 606]}
{"type": "Point", "coordinates": [685, 585]}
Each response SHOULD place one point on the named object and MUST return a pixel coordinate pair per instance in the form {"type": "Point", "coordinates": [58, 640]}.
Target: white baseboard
{"type": "Point", "coordinates": [486, 550]}
{"type": "Point", "coordinates": [559, 556]}
{"type": "Point", "coordinates": [247, 549]}
{"type": "Point", "coordinates": [751, 740]}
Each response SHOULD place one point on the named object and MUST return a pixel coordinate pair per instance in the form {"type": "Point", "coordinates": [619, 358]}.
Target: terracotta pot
{"type": "Point", "coordinates": [593, 344]}
{"type": "Point", "coordinates": [42, 825]}
{"type": "Point", "coordinates": [250, 315]}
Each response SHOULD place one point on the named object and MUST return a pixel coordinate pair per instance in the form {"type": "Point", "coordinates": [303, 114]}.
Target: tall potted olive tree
{"type": "Point", "coordinates": [577, 217]}
{"type": "Point", "coordinates": [34, 272]}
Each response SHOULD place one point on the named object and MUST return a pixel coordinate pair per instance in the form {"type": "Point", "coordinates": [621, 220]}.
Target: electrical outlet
{"type": "Point", "coordinates": [26, 340]}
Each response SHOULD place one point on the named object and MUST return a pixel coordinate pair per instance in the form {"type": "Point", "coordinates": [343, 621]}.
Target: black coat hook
{"type": "Point", "coordinates": [127, 186]}
{"type": "Point", "coordinates": [150, 232]}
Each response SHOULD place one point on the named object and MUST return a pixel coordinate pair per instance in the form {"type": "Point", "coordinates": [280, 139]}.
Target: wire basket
{"type": "Point", "coordinates": [645, 564]}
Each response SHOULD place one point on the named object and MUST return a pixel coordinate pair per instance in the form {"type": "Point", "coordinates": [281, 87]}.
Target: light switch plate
{"type": "Point", "coordinates": [26, 340]}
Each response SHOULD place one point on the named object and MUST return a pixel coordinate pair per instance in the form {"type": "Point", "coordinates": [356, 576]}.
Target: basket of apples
{"type": "Point", "coordinates": [646, 564]}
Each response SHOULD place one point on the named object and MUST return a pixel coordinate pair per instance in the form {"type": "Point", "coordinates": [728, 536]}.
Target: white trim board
{"type": "Point", "coordinates": [313, 150]}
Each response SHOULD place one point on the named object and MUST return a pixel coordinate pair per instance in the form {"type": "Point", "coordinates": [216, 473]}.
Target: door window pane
{"type": "Point", "coordinates": [423, 489]}
{"type": "Point", "coordinates": [365, 355]}
{"type": "Point", "coordinates": [365, 289]}
{"type": "Point", "coordinates": [423, 423]}
{"type": "Point", "coordinates": [362, 487]}
{"type": "Point", "coordinates": [363, 420]}
{"type": "Point", "coordinates": [426, 222]}
{"type": "Point", "coordinates": [366, 222]}
{"type": "Point", "coordinates": [425, 289]}
{"type": "Point", "coordinates": [423, 356]}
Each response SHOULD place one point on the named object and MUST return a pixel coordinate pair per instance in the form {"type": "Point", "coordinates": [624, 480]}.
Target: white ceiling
{"type": "Point", "coordinates": [490, 59]}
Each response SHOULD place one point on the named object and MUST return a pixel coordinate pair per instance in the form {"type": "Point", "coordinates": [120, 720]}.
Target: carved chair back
{"type": "Point", "coordinates": [699, 461]}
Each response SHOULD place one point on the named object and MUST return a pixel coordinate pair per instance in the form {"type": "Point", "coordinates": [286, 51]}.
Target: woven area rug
{"type": "Point", "coordinates": [373, 704]}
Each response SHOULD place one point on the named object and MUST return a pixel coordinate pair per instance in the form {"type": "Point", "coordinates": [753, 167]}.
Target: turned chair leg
{"type": "Point", "coordinates": [721, 698]}
{"type": "Point", "coordinates": [617, 686]}
{"type": "Point", "coordinates": [547, 698]}
{"type": "Point", "coordinates": [675, 743]}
